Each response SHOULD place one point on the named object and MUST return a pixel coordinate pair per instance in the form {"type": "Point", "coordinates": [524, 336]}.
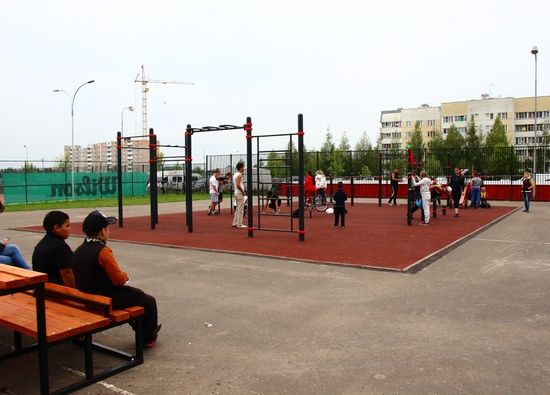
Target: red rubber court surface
{"type": "Point", "coordinates": [374, 237]}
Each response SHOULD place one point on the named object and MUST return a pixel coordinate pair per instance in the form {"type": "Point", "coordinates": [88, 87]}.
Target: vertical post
{"type": "Point", "coordinates": [26, 186]}
{"type": "Point", "coordinates": [119, 178]}
{"type": "Point", "coordinates": [188, 181]}
{"type": "Point", "coordinates": [409, 188]}
{"type": "Point", "coordinates": [511, 172]}
{"type": "Point", "coordinates": [352, 190]}
{"type": "Point", "coordinates": [379, 179]}
{"type": "Point", "coordinates": [42, 340]}
{"type": "Point", "coordinates": [152, 175]}
{"type": "Point", "coordinates": [231, 191]}
{"type": "Point", "coordinates": [259, 190]}
{"type": "Point", "coordinates": [249, 193]}
{"type": "Point", "coordinates": [301, 223]}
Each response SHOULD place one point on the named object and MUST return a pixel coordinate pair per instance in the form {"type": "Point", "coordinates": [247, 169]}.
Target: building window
{"type": "Point", "coordinates": [408, 124]}
{"type": "Point", "coordinates": [447, 119]}
{"type": "Point", "coordinates": [503, 115]}
{"type": "Point", "coordinates": [489, 115]}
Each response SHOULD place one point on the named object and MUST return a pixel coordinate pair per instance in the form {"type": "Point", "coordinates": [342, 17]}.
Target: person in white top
{"type": "Point", "coordinates": [240, 195]}
{"type": "Point", "coordinates": [214, 192]}
{"type": "Point", "coordinates": [321, 184]}
{"type": "Point", "coordinates": [424, 183]}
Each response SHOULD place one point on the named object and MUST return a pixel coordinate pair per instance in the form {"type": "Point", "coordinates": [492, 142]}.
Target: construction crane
{"type": "Point", "coordinates": [144, 89]}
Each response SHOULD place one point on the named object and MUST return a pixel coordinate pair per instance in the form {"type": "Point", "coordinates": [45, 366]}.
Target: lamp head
{"type": "Point", "coordinates": [91, 81]}
{"type": "Point", "coordinates": [131, 108]}
{"type": "Point", "coordinates": [535, 50]}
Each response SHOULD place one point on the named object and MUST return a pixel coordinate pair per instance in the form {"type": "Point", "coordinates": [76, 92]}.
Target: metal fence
{"type": "Point", "coordinates": [501, 167]}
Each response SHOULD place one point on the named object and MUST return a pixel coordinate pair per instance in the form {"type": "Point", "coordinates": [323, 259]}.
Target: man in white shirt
{"type": "Point", "coordinates": [240, 195]}
{"type": "Point", "coordinates": [214, 192]}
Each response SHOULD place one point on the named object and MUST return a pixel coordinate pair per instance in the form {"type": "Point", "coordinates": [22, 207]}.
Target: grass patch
{"type": "Point", "coordinates": [110, 202]}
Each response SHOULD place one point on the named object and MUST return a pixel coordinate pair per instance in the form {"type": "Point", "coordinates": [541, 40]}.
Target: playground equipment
{"type": "Point", "coordinates": [249, 167]}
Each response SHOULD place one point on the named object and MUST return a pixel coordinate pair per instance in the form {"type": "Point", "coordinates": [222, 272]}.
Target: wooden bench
{"type": "Point", "coordinates": [54, 314]}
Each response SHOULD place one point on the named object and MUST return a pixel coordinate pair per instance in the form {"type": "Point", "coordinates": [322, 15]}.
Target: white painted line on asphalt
{"type": "Point", "coordinates": [103, 383]}
{"type": "Point", "coordinates": [512, 241]}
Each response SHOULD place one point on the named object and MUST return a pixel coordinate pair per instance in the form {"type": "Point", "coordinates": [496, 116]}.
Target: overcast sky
{"type": "Point", "coordinates": [337, 62]}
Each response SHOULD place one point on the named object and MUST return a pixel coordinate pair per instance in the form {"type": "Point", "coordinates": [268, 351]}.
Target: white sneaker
{"type": "Point", "coordinates": [242, 227]}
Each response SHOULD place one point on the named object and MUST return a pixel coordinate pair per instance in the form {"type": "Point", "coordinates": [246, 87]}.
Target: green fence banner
{"type": "Point", "coordinates": [37, 187]}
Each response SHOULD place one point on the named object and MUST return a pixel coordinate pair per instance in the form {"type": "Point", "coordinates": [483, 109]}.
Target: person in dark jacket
{"type": "Point", "coordinates": [52, 255]}
{"type": "Point", "coordinates": [340, 198]}
{"type": "Point", "coordinates": [96, 271]}
{"type": "Point", "coordinates": [457, 185]}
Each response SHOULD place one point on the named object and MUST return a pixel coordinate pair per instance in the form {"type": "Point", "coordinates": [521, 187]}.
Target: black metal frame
{"type": "Point", "coordinates": [301, 200]}
{"type": "Point", "coordinates": [189, 164]}
{"type": "Point", "coordinates": [42, 346]}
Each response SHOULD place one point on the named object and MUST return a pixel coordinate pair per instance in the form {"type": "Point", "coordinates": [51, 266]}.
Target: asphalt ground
{"type": "Point", "coordinates": [473, 322]}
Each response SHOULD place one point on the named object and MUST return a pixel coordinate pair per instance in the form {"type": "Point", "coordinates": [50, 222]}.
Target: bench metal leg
{"type": "Point", "coordinates": [17, 343]}
{"type": "Point", "coordinates": [88, 358]}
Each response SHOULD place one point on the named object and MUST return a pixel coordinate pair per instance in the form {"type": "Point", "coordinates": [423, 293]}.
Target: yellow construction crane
{"type": "Point", "coordinates": [144, 81]}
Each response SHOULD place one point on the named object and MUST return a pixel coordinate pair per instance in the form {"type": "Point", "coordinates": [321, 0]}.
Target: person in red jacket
{"type": "Point", "coordinates": [309, 187]}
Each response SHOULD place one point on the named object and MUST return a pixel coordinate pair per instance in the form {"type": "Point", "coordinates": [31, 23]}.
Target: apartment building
{"type": "Point", "coordinates": [517, 116]}
{"type": "Point", "coordinates": [103, 156]}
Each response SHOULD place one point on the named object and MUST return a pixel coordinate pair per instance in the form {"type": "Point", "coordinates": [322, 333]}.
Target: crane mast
{"type": "Point", "coordinates": [144, 89]}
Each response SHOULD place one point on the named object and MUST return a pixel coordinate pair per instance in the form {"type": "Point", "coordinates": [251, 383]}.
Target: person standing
{"type": "Point", "coordinates": [240, 195]}
{"type": "Point", "coordinates": [97, 271]}
{"type": "Point", "coordinates": [214, 192]}
{"type": "Point", "coordinates": [424, 183]}
{"type": "Point", "coordinates": [394, 186]}
{"type": "Point", "coordinates": [321, 185]}
{"type": "Point", "coordinates": [527, 186]}
{"type": "Point", "coordinates": [457, 185]}
{"type": "Point", "coordinates": [475, 194]}
{"type": "Point", "coordinates": [340, 198]}
{"type": "Point", "coordinates": [52, 255]}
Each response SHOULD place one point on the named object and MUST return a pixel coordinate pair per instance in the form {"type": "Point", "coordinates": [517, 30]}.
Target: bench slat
{"type": "Point", "coordinates": [18, 312]}
{"type": "Point", "coordinates": [13, 277]}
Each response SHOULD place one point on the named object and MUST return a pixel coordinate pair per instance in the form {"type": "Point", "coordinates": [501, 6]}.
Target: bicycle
{"type": "Point", "coordinates": [318, 204]}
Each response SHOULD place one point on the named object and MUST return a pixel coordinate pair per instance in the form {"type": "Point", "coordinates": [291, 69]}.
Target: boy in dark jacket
{"type": "Point", "coordinates": [340, 198]}
{"type": "Point", "coordinates": [96, 271]}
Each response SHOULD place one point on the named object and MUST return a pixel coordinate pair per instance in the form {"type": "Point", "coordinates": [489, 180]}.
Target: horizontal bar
{"type": "Point", "coordinates": [171, 146]}
{"type": "Point", "coordinates": [135, 137]}
{"type": "Point", "coordinates": [275, 229]}
{"type": "Point", "coordinates": [275, 135]}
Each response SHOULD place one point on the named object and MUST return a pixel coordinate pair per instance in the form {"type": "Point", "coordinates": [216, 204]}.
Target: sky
{"type": "Point", "coordinates": [339, 63]}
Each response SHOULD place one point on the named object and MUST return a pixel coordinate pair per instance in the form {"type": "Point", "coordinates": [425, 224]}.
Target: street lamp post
{"type": "Point", "coordinates": [535, 51]}
{"type": "Point", "coordinates": [129, 108]}
{"type": "Point", "coordinates": [72, 133]}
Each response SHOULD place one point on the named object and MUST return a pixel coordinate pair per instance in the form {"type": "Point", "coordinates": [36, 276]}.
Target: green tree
{"type": "Point", "coordinates": [474, 157]}
{"type": "Point", "coordinates": [325, 157]}
{"type": "Point", "coordinates": [497, 135]}
{"type": "Point", "coordinates": [364, 143]}
{"type": "Point", "coordinates": [454, 139]}
{"type": "Point", "coordinates": [416, 141]}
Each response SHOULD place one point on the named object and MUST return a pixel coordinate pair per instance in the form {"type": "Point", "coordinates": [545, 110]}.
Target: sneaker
{"type": "Point", "coordinates": [423, 224]}
{"type": "Point", "coordinates": [242, 226]}
{"type": "Point", "coordinates": [457, 215]}
{"type": "Point", "coordinates": [335, 227]}
{"type": "Point", "coordinates": [153, 342]}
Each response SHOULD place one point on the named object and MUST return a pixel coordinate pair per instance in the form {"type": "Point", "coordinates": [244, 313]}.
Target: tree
{"type": "Point", "coordinates": [454, 139]}
{"type": "Point", "coordinates": [276, 164]}
{"type": "Point", "coordinates": [474, 159]}
{"type": "Point", "coordinates": [416, 141]}
{"type": "Point", "coordinates": [497, 135]}
{"type": "Point", "coordinates": [364, 143]}
{"type": "Point", "coordinates": [325, 160]}
{"type": "Point", "coordinates": [344, 143]}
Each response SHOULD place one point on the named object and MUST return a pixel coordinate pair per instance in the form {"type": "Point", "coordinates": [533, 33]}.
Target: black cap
{"type": "Point", "coordinates": [95, 221]}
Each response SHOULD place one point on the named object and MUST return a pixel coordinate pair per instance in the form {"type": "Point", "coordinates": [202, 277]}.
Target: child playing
{"type": "Point", "coordinates": [484, 197]}
{"type": "Point", "coordinates": [273, 202]}
{"type": "Point", "coordinates": [340, 198]}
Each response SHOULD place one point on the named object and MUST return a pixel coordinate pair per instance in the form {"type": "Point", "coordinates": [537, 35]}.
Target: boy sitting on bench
{"type": "Point", "coordinates": [96, 271]}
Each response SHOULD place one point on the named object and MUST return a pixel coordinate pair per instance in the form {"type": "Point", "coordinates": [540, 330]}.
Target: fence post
{"type": "Point", "coordinates": [26, 188]}
{"type": "Point", "coordinates": [511, 171]}
{"type": "Point", "coordinates": [352, 190]}
{"type": "Point", "coordinates": [379, 179]}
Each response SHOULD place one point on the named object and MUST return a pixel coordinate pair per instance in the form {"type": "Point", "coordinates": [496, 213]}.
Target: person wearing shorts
{"type": "Point", "coordinates": [214, 192]}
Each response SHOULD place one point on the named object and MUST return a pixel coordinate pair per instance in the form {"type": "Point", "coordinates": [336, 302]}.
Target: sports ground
{"type": "Point", "coordinates": [472, 321]}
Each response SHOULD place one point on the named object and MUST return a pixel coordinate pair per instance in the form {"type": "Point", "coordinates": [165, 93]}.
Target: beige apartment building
{"type": "Point", "coordinates": [517, 116]}
{"type": "Point", "coordinates": [103, 156]}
